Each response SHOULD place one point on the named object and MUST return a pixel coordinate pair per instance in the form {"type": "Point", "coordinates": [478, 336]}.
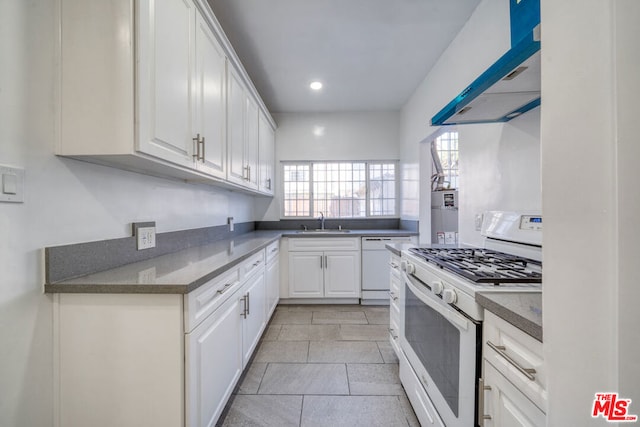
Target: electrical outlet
{"type": "Point", "coordinates": [230, 222]}
{"type": "Point", "coordinates": [145, 233]}
{"type": "Point", "coordinates": [478, 221]}
{"type": "Point", "coordinates": [146, 237]}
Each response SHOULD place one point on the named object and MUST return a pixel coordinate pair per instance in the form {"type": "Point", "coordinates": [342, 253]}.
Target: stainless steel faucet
{"type": "Point", "coordinates": [321, 221]}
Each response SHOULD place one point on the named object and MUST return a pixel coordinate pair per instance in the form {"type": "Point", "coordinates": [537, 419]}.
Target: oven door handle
{"type": "Point", "coordinates": [448, 312]}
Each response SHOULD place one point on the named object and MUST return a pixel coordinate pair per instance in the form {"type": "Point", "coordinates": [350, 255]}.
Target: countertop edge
{"type": "Point", "coordinates": [513, 317]}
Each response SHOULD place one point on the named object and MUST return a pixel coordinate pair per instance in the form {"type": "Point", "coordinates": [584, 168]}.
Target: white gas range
{"type": "Point", "coordinates": [441, 321]}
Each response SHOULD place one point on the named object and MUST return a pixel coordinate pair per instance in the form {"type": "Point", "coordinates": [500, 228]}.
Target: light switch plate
{"type": "Point", "coordinates": [11, 184]}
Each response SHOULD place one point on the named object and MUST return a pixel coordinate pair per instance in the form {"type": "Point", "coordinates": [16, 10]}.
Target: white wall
{"type": "Point", "coordinates": [590, 176]}
{"type": "Point", "coordinates": [65, 202]}
{"type": "Point", "coordinates": [483, 39]}
{"type": "Point", "coordinates": [499, 170]}
{"type": "Point", "coordinates": [330, 136]}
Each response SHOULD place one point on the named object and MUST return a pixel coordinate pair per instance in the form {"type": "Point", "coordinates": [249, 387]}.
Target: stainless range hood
{"type": "Point", "coordinates": [509, 87]}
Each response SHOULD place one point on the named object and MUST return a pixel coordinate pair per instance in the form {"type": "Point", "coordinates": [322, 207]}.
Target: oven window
{"type": "Point", "coordinates": [436, 342]}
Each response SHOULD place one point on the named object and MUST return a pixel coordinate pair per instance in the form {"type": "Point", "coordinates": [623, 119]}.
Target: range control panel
{"type": "Point", "coordinates": [531, 222]}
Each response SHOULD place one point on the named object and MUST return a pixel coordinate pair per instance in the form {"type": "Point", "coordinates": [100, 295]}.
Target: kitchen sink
{"type": "Point", "coordinates": [323, 231]}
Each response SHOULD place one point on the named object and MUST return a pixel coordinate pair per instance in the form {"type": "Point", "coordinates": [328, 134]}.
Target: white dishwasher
{"type": "Point", "coordinates": [375, 268]}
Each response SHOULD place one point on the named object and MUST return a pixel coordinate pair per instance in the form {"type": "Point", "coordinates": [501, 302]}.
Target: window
{"type": "Point", "coordinates": [447, 148]}
{"type": "Point", "coordinates": [339, 189]}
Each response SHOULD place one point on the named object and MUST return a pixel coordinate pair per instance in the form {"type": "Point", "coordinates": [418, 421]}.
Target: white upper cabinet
{"type": "Point", "coordinates": [165, 75]}
{"type": "Point", "coordinates": [210, 96]}
{"type": "Point", "coordinates": [251, 152]}
{"type": "Point", "coordinates": [155, 87]}
{"type": "Point", "coordinates": [236, 110]}
{"type": "Point", "coordinates": [266, 156]}
{"type": "Point", "coordinates": [243, 134]}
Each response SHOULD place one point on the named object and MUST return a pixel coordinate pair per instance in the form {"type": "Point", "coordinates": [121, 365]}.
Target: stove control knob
{"type": "Point", "coordinates": [449, 296]}
{"type": "Point", "coordinates": [437, 287]}
{"type": "Point", "coordinates": [408, 267]}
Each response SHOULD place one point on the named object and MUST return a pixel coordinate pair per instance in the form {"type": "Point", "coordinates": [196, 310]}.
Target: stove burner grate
{"type": "Point", "coordinates": [483, 265]}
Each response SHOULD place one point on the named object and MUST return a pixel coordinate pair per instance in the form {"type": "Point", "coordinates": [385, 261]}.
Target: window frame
{"type": "Point", "coordinates": [367, 198]}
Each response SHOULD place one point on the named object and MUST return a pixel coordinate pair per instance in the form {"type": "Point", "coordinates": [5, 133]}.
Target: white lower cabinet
{"type": "Point", "coordinates": [214, 353]}
{"type": "Point", "coordinates": [253, 296]}
{"type": "Point", "coordinates": [157, 359]}
{"type": "Point", "coordinates": [272, 274]}
{"type": "Point", "coordinates": [306, 274]}
{"type": "Point", "coordinates": [324, 268]}
{"type": "Point", "coordinates": [514, 376]}
{"type": "Point", "coordinates": [505, 405]}
{"type": "Point", "coordinates": [395, 282]}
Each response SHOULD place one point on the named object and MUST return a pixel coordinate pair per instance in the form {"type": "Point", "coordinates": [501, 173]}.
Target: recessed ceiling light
{"type": "Point", "coordinates": [316, 85]}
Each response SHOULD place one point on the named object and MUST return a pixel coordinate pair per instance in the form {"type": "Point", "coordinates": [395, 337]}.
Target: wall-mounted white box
{"type": "Point", "coordinates": [11, 184]}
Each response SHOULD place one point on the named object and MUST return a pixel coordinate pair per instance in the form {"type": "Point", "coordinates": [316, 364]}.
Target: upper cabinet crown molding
{"type": "Point", "coordinates": [144, 87]}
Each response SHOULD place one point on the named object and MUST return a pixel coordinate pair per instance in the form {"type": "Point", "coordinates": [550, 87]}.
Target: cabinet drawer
{"type": "Point", "coordinates": [507, 347]}
{"type": "Point", "coordinates": [204, 300]}
{"type": "Point", "coordinates": [272, 251]}
{"type": "Point", "coordinates": [394, 335]}
{"type": "Point", "coordinates": [251, 265]}
{"type": "Point", "coordinates": [324, 244]}
{"type": "Point", "coordinates": [424, 409]}
{"type": "Point", "coordinates": [505, 404]}
{"type": "Point", "coordinates": [394, 266]}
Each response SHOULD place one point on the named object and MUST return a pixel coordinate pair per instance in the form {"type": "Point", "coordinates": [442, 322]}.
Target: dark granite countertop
{"type": "Point", "coordinates": [183, 271]}
{"type": "Point", "coordinates": [522, 309]}
{"type": "Point", "coordinates": [349, 233]}
{"type": "Point", "coordinates": [175, 273]}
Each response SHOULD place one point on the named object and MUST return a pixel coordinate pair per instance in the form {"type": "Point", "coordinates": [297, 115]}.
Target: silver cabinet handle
{"type": "Point", "coordinates": [248, 302]}
{"type": "Point", "coordinates": [394, 265]}
{"type": "Point", "coordinates": [227, 286]}
{"type": "Point", "coordinates": [392, 295]}
{"type": "Point", "coordinates": [502, 351]}
{"type": "Point", "coordinates": [321, 260]}
{"type": "Point", "coordinates": [481, 389]}
{"type": "Point", "coordinates": [274, 250]}
{"type": "Point", "coordinates": [199, 142]}
{"type": "Point", "coordinates": [244, 310]}
{"type": "Point", "coordinates": [326, 262]}
{"type": "Point", "coordinates": [392, 333]}
{"type": "Point", "coordinates": [257, 263]}
{"type": "Point", "coordinates": [269, 183]}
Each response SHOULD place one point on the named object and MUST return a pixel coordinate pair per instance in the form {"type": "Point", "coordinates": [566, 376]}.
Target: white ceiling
{"type": "Point", "coordinates": [370, 54]}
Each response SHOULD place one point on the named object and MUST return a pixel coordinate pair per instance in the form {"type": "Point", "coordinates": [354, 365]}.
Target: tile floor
{"type": "Point", "coordinates": [323, 365]}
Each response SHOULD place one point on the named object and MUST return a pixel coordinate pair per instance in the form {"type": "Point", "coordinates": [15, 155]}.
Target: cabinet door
{"type": "Point", "coordinates": [342, 274]}
{"type": "Point", "coordinates": [210, 88]}
{"type": "Point", "coordinates": [506, 405]}
{"type": "Point", "coordinates": [255, 320]}
{"type": "Point", "coordinates": [165, 75]}
{"type": "Point", "coordinates": [251, 153]}
{"type": "Point", "coordinates": [214, 363]}
{"type": "Point", "coordinates": [306, 275]}
{"type": "Point", "coordinates": [266, 141]}
{"type": "Point", "coordinates": [273, 286]}
{"type": "Point", "coordinates": [236, 131]}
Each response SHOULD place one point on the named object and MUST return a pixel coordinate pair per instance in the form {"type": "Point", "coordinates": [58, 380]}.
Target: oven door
{"type": "Point", "coordinates": [443, 346]}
